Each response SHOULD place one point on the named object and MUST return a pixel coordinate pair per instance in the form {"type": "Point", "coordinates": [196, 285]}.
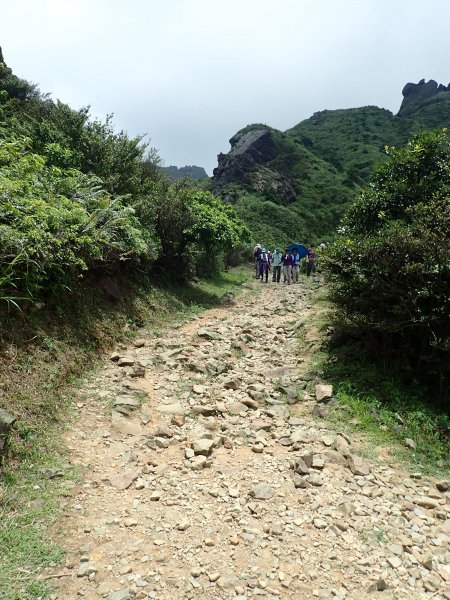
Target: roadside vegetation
{"type": "Point", "coordinates": [388, 274]}
{"type": "Point", "coordinates": [77, 197]}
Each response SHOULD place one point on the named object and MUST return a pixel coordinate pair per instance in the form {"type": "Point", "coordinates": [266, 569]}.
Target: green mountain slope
{"type": "Point", "coordinates": [296, 184]}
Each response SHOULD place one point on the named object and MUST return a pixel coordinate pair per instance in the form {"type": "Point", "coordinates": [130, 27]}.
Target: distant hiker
{"type": "Point", "coordinates": [264, 264]}
{"type": "Point", "coordinates": [311, 261]}
{"type": "Point", "coordinates": [287, 261]}
{"type": "Point", "coordinates": [256, 255]}
{"type": "Point", "coordinates": [276, 265]}
{"type": "Point", "coordinates": [295, 264]}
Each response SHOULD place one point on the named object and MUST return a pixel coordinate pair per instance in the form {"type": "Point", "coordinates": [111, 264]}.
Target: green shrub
{"type": "Point", "coordinates": [55, 224]}
{"type": "Point", "coordinates": [195, 228]}
{"type": "Point", "coordinates": [390, 268]}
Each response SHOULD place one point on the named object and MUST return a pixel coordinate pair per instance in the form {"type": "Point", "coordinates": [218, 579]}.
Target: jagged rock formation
{"type": "Point", "coordinates": [2, 60]}
{"type": "Point", "coordinates": [248, 149]}
{"type": "Point", "coordinates": [246, 164]}
{"type": "Point", "coordinates": [419, 94]}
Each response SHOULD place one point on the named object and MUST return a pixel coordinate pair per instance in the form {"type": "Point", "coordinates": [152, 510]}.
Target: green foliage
{"type": "Point", "coordinates": [390, 268]}
{"type": "Point", "coordinates": [57, 223]}
{"type": "Point", "coordinates": [12, 87]}
{"type": "Point", "coordinates": [194, 227]}
{"type": "Point", "coordinates": [75, 195]}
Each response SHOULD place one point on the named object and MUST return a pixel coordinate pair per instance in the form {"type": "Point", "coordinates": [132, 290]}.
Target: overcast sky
{"type": "Point", "coordinates": [190, 73]}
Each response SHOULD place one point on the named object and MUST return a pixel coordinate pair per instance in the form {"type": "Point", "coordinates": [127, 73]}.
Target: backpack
{"type": "Point", "coordinates": [264, 258]}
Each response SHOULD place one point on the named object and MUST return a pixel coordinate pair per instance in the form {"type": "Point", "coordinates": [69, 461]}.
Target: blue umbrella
{"type": "Point", "coordinates": [302, 250]}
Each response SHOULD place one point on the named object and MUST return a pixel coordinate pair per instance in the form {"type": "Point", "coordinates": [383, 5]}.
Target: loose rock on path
{"type": "Point", "coordinates": [212, 476]}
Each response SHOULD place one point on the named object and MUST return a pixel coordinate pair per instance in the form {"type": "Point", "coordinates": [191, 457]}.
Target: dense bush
{"type": "Point", "coordinates": [56, 223]}
{"type": "Point", "coordinates": [194, 227]}
{"type": "Point", "coordinates": [390, 268]}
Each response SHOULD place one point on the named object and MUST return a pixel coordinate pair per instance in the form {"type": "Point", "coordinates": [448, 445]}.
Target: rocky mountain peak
{"type": "Point", "coordinates": [416, 95]}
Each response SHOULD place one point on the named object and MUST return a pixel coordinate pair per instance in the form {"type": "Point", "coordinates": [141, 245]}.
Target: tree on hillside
{"type": "Point", "coordinates": [390, 268]}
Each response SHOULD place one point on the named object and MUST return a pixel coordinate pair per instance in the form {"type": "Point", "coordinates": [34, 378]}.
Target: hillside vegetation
{"type": "Point", "coordinates": [77, 197]}
{"type": "Point", "coordinates": [297, 184]}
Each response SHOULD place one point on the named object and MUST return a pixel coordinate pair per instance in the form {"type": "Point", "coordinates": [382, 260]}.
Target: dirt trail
{"type": "Point", "coordinates": [192, 494]}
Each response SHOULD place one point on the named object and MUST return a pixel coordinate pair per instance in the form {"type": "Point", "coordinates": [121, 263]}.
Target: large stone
{"type": "Point", "coordinates": [207, 335]}
{"type": "Point", "coordinates": [203, 446]}
{"type": "Point", "coordinates": [107, 587]}
{"type": "Point", "coordinates": [233, 383]}
{"type": "Point", "coordinates": [443, 486]}
{"type": "Point", "coordinates": [425, 502]}
{"type": "Point", "coordinates": [342, 446]}
{"type": "Point", "coordinates": [138, 371]}
{"type": "Point", "coordinates": [253, 404]}
{"type": "Point", "coordinates": [262, 491]}
{"type": "Point", "coordinates": [323, 392]}
{"type": "Point", "coordinates": [299, 435]}
{"type": "Point", "coordinates": [199, 389]}
{"type": "Point", "coordinates": [335, 458]}
{"type": "Point", "coordinates": [125, 425]}
{"type": "Point", "coordinates": [121, 595]}
{"type": "Point", "coordinates": [127, 402]}
{"type": "Point", "coordinates": [236, 408]}
{"type": "Point", "coordinates": [318, 462]}
{"type": "Point", "coordinates": [301, 467]}
{"type": "Point", "coordinates": [319, 523]}
{"type": "Point", "coordinates": [207, 410]}
{"type": "Point", "coordinates": [320, 410]}
{"type": "Point", "coordinates": [199, 462]}
{"type": "Point", "coordinates": [126, 361]}
{"type": "Point", "coordinates": [172, 409]}
{"type": "Point", "coordinates": [357, 465]}
{"type": "Point", "coordinates": [122, 481]}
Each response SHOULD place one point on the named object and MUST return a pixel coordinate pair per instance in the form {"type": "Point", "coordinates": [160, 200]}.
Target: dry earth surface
{"type": "Point", "coordinates": [208, 472]}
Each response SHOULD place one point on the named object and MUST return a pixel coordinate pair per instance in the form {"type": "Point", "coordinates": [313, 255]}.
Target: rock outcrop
{"type": "Point", "coordinates": [248, 150]}
{"type": "Point", "coordinates": [247, 164]}
{"type": "Point", "coordinates": [416, 95]}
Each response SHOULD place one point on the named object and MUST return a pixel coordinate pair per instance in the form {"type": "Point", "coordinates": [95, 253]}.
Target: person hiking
{"type": "Point", "coordinates": [287, 261]}
{"type": "Point", "coordinates": [276, 265]}
{"type": "Point", "coordinates": [256, 255]}
{"type": "Point", "coordinates": [264, 264]}
{"type": "Point", "coordinates": [310, 261]}
{"type": "Point", "coordinates": [295, 264]}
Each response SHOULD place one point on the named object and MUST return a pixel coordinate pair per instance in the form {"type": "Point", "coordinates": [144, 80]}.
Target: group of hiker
{"type": "Point", "coordinates": [287, 262]}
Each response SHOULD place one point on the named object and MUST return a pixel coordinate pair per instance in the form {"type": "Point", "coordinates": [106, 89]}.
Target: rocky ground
{"type": "Point", "coordinates": [209, 473]}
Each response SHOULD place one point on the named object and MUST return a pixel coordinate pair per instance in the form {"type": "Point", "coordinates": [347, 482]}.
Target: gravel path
{"type": "Point", "coordinates": [208, 474]}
